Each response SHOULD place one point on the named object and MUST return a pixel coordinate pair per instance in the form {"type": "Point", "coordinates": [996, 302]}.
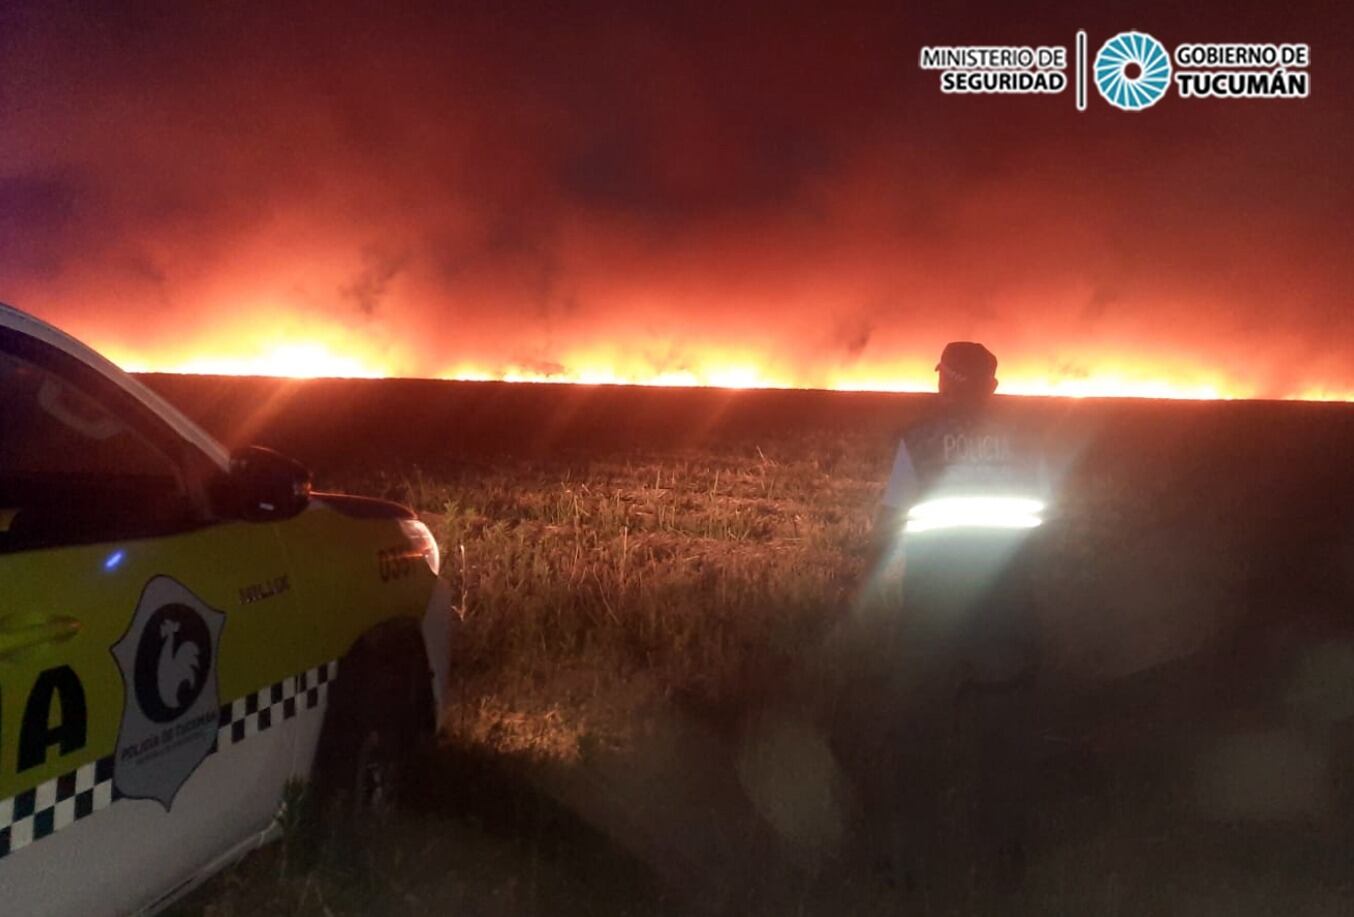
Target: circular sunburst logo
{"type": "Point", "coordinates": [1132, 71]}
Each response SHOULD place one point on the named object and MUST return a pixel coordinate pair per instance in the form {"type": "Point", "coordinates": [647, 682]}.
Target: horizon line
{"type": "Point", "coordinates": [738, 388]}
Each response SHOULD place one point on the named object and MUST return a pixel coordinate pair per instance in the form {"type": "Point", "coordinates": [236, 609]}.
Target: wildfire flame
{"type": "Point", "coordinates": [337, 356]}
{"type": "Point", "coordinates": [292, 343]}
{"type": "Point", "coordinates": [300, 357]}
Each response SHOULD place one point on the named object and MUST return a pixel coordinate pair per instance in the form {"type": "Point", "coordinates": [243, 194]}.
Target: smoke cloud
{"type": "Point", "coordinates": [708, 193]}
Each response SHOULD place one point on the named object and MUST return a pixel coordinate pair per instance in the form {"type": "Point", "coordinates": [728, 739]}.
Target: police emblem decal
{"type": "Point", "coordinates": [171, 704]}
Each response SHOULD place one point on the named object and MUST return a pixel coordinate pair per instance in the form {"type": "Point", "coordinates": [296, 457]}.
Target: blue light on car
{"type": "Point", "coordinates": [114, 560]}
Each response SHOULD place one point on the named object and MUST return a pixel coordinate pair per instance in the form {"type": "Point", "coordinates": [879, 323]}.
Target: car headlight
{"type": "Point", "coordinates": [975, 512]}
{"type": "Point", "coordinates": [422, 541]}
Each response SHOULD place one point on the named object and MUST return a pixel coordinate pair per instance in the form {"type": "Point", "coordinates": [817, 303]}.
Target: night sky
{"type": "Point", "coordinates": [709, 193]}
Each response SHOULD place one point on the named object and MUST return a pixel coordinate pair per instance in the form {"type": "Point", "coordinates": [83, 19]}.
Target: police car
{"type": "Point", "coordinates": [183, 632]}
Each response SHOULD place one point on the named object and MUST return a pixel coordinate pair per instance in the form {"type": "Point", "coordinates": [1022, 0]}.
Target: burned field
{"type": "Point", "coordinates": [668, 695]}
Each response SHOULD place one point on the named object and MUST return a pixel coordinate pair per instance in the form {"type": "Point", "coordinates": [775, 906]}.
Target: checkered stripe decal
{"type": "Point", "coordinates": [48, 807]}
{"type": "Point", "coordinates": [249, 715]}
{"type": "Point", "coordinates": [51, 806]}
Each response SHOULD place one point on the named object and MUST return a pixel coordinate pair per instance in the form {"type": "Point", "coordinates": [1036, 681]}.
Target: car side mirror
{"type": "Point", "coordinates": [266, 485]}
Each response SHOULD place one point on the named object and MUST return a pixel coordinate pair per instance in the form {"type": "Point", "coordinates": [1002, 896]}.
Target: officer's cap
{"type": "Point", "coordinates": [967, 362]}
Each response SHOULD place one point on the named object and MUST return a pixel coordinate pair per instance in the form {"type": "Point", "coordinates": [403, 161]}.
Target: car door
{"type": "Point", "coordinates": [146, 647]}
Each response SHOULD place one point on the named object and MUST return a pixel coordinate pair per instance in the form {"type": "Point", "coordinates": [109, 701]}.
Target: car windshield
{"type": "Point", "coordinates": [71, 472]}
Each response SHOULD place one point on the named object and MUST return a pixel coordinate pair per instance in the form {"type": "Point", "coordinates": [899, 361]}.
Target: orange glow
{"type": "Point", "coordinates": [1116, 377]}
{"type": "Point", "coordinates": [713, 369]}
{"type": "Point", "coordinates": [715, 200]}
{"type": "Point", "coordinates": [311, 354]}
{"type": "Point", "coordinates": [302, 360]}
{"type": "Point", "coordinates": [298, 352]}
{"type": "Point", "coordinates": [1323, 394]}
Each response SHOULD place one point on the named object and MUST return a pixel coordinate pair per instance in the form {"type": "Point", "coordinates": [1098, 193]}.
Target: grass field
{"type": "Point", "coordinates": [673, 695]}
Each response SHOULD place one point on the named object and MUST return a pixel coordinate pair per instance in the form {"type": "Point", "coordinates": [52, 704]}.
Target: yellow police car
{"type": "Point", "coordinates": [183, 632]}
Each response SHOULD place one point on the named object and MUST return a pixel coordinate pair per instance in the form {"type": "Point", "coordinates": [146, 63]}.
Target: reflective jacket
{"type": "Point", "coordinates": [964, 451]}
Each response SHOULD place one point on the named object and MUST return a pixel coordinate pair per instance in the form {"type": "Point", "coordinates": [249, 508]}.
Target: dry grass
{"type": "Point", "coordinates": [710, 576]}
{"type": "Point", "coordinates": [665, 648]}
{"type": "Point", "coordinates": [626, 582]}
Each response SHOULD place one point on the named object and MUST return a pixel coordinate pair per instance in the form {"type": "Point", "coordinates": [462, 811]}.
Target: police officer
{"type": "Point", "coordinates": [966, 487]}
